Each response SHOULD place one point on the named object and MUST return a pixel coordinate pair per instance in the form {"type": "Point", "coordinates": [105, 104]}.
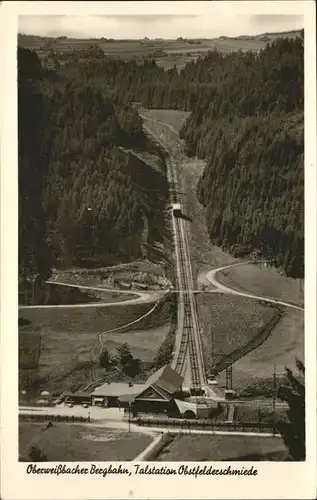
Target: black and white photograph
{"type": "Point", "coordinates": [161, 239]}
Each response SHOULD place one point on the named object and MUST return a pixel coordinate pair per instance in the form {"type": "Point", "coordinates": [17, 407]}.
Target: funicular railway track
{"type": "Point", "coordinates": [189, 346]}
{"type": "Point", "coordinates": [188, 354]}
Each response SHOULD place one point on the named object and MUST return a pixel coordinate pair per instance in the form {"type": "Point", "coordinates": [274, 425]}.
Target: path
{"type": "Point", "coordinates": [120, 328]}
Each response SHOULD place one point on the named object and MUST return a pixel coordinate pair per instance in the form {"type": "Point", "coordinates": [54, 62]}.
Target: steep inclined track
{"type": "Point", "coordinates": [188, 359]}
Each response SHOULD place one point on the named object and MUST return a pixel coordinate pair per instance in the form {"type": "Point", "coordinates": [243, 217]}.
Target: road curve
{"type": "Point", "coordinates": [140, 298]}
{"type": "Point", "coordinates": [212, 278]}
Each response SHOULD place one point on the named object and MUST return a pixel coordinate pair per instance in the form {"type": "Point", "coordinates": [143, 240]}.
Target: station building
{"type": "Point", "coordinates": [108, 394]}
{"type": "Point", "coordinates": [162, 395]}
{"type": "Point", "coordinates": [156, 396]}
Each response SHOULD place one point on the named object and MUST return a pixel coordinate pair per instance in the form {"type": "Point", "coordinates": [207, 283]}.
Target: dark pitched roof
{"type": "Point", "coordinates": [163, 392]}
{"type": "Point", "coordinates": [154, 393]}
{"type": "Point", "coordinates": [167, 379]}
{"type": "Point", "coordinates": [156, 375]}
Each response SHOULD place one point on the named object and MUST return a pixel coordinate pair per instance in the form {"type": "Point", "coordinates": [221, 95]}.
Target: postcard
{"type": "Point", "coordinates": [158, 223]}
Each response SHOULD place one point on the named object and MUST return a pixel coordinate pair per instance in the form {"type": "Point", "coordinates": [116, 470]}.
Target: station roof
{"type": "Point", "coordinates": [118, 389]}
{"type": "Point", "coordinates": [164, 381]}
{"type": "Point", "coordinates": [127, 398]}
{"type": "Point", "coordinates": [167, 379]}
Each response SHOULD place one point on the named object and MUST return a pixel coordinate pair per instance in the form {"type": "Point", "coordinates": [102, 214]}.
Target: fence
{"type": "Point", "coordinates": [52, 418]}
{"type": "Point", "coordinates": [205, 424]}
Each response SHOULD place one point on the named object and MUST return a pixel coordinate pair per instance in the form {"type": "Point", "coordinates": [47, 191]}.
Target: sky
{"type": "Point", "coordinates": [157, 26]}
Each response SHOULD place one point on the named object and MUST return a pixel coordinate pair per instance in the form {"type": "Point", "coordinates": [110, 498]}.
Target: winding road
{"type": "Point", "coordinates": [219, 287]}
{"type": "Point", "coordinates": [153, 296]}
{"type": "Point", "coordinates": [139, 297]}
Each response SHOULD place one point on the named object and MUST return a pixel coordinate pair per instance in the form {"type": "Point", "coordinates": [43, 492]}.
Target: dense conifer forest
{"type": "Point", "coordinates": [252, 137]}
{"type": "Point", "coordinates": [79, 194]}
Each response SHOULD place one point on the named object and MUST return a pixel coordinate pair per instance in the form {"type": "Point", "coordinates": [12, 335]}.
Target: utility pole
{"type": "Point", "coordinates": [91, 369]}
{"type": "Point", "coordinates": [129, 416]}
{"type": "Point", "coordinates": [229, 377]}
{"type": "Point", "coordinates": [259, 412]}
{"type": "Point", "coordinates": [274, 397]}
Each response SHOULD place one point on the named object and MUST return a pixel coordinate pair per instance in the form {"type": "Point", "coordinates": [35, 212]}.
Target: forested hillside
{"type": "Point", "coordinates": [80, 194]}
{"type": "Point", "coordinates": [251, 133]}
{"type": "Point", "coordinates": [246, 121]}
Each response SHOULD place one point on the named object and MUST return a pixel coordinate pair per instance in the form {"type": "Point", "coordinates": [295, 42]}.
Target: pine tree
{"type": "Point", "coordinates": [293, 430]}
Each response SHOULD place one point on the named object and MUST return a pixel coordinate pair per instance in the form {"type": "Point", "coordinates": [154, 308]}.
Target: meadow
{"type": "Point", "coordinates": [70, 343]}
{"type": "Point", "coordinates": [72, 442]}
{"type": "Point", "coordinates": [52, 294]}
{"type": "Point", "coordinates": [266, 281]}
{"type": "Point", "coordinates": [229, 323]}
{"type": "Point", "coordinates": [283, 346]}
{"type": "Point", "coordinates": [143, 343]}
{"type": "Point", "coordinates": [167, 53]}
{"type": "Point", "coordinates": [206, 447]}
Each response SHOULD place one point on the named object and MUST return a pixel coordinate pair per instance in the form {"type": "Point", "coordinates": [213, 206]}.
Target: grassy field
{"type": "Point", "coordinates": [285, 343]}
{"type": "Point", "coordinates": [144, 343]}
{"type": "Point", "coordinates": [70, 341]}
{"type": "Point", "coordinates": [206, 447]}
{"type": "Point", "coordinates": [72, 442]}
{"type": "Point", "coordinates": [259, 280]}
{"type": "Point", "coordinates": [166, 52]}
{"type": "Point", "coordinates": [228, 323]}
{"type": "Point", "coordinates": [89, 319]}
{"type": "Point", "coordinates": [263, 413]}
{"type": "Point", "coordinates": [29, 349]}
{"type": "Point", "coordinates": [51, 294]}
